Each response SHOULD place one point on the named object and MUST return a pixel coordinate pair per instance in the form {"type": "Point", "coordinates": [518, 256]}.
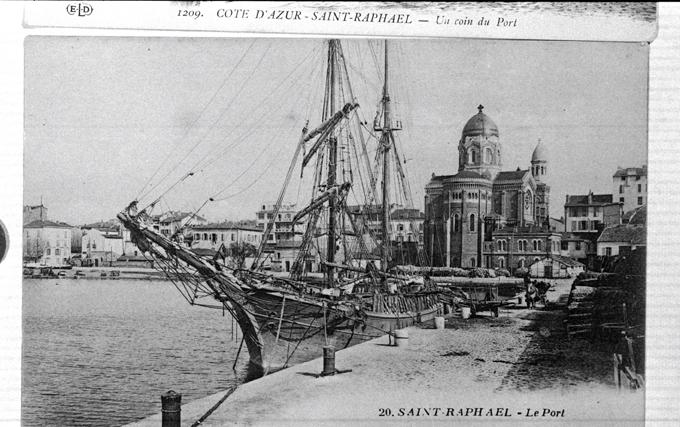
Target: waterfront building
{"type": "Point", "coordinates": [106, 228]}
{"type": "Point", "coordinates": [100, 248]}
{"type": "Point", "coordinates": [576, 247]}
{"type": "Point", "coordinates": [591, 213]}
{"type": "Point", "coordinates": [212, 236]}
{"type": "Point", "coordinates": [283, 223]}
{"type": "Point", "coordinates": [479, 216]}
{"type": "Point", "coordinates": [405, 231]}
{"type": "Point", "coordinates": [177, 224]}
{"type": "Point", "coordinates": [47, 243]}
{"type": "Point", "coordinates": [629, 187]}
{"type": "Point", "coordinates": [517, 247]}
{"type": "Point", "coordinates": [556, 267]}
{"type": "Point", "coordinates": [631, 235]}
{"type": "Point", "coordinates": [286, 254]}
{"type": "Point", "coordinates": [586, 216]}
{"type": "Point", "coordinates": [406, 225]}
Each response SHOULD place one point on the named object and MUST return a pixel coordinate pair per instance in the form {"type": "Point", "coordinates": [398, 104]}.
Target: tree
{"type": "Point", "coordinates": [240, 251]}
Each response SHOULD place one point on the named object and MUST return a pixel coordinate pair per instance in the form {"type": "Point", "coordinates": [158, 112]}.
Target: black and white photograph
{"type": "Point", "coordinates": [296, 229]}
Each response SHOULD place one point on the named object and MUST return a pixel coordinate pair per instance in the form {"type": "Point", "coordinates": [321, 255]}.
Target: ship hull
{"type": "Point", "coordinates": [294, 329]}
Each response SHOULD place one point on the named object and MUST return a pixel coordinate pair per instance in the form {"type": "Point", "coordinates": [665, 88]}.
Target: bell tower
{"type": "Point", "coordinates": [539, 170]}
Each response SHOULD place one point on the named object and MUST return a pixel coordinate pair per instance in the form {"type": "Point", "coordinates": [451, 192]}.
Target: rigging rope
{"type": "Point", "coordinates": [198, 117]}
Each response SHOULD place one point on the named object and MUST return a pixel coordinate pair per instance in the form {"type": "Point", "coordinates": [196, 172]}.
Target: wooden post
{"type": "Point", "coordinates": [617, 370]}
{"type": "Point", "coordinates": [171, 408]}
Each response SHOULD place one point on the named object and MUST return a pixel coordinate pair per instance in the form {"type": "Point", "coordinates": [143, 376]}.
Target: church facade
{"type": "Point", "coordinates": [483, 216]}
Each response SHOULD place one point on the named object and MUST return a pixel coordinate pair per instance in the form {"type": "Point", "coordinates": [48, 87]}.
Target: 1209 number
{"type": "Point", "coordinates": [190, 13]}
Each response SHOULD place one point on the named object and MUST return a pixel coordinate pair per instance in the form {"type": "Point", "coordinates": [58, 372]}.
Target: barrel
{"type": "Point", "coordinates": [439, 323]}
{"type": "Point", "coordinates": [465, 311]}
{"type": "Point", "coordinates": [401, 337]}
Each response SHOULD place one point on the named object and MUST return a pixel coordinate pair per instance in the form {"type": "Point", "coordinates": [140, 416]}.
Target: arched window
{"type": "Point", "coordinates": [498, 157]}
{"type": "Point", "coordinates": [456, 222]}
{"type": "Point", "coordinates": [505, 247]}
{"type": "Point", "coordinates": [473, 262]}
{"type": "Point", "coordinates": [472, 222]}
{"type": "Point", "coordinates": [501, 262]}
{"type": "Point", "coordinates": [522, 245]}
{"type": "Point", "coordinates": [500, 245]}
{"type": "Point", "coordinates": [539, 245]}
{"type": "Point", "coordinates": [520, 264]}
{"type": "Point", "coordinates": [488, 156]}
{"type": "Point", "coordinates": [472, 156]}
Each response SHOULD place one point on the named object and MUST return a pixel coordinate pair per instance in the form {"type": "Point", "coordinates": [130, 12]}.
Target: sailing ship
{"type": "Point", "coordinates": [359, 298]}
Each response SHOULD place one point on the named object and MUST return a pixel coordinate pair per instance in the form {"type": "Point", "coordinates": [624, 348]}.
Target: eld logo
{"type": "Point", "coordinates": [81, 9]}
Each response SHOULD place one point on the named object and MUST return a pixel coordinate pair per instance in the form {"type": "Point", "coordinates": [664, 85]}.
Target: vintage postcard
{"type": "Point", "coordinates": [311, 214]}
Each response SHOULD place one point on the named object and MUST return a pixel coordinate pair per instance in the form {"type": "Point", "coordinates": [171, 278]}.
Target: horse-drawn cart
{"type": "Point", "coordinates": [480, 297]}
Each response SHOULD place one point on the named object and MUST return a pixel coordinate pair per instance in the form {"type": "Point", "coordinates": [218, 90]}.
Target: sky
{"type": "Point", "coordinates": [102, 115]}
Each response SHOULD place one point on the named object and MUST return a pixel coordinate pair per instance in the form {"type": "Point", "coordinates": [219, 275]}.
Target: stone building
{"type": "Point", "coordinates": [283, 227]}
{"type": "Point", "coordinates": [47, 243]}
{"type": "Point", "coordinates": [586, 216]}
{"type": "Point", "coordinates": [629, 186]}
{"type": "Point", "coordinates": [463, 212]}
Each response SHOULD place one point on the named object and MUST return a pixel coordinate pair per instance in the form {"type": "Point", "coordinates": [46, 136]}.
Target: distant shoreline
{"type": "Point", "coordinates": [101, 273]}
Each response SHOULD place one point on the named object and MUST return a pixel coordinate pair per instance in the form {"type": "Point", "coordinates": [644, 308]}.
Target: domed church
{"type": "Point", "coordinates": [486, 217]}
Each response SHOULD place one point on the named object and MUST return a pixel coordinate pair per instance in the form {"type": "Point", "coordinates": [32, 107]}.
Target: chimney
{"type": "Point", "coordinates": [590, 197]}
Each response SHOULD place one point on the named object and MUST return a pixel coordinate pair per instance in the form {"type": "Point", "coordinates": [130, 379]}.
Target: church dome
{"type": "Point", "coordinates": [480, 124]}
{"type": "Point", "coordinates": [540, 153]}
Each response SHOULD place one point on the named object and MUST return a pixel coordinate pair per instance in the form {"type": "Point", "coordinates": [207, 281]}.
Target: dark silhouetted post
{"type": "Point", "coordinates": [328, 360]}
{"type": "Point", "coordinates": [171, 407]}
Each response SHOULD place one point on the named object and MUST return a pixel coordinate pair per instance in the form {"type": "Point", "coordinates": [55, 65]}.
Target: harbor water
{"type": "Point", "coordinates": [101, 352]}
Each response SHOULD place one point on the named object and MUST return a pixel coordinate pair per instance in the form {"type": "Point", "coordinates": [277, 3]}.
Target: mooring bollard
{"type": "Point", "coordinates": [328, 360]}
{"type": "Point", "coordinates": [171, 408]}
{"type": "Point", "coordinates": [329, 363]}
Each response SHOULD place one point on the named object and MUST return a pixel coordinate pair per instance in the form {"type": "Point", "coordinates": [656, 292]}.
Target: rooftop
{"type": "Point", "coordinates": [38, 223]}
{"type": "Point", "coordinates": [226, 225]}
{"type": "Point", "coordinates": [636, 235]}
{"type": "Point", "coordinates": [511, 175]}
{"type": "Point", "coordinates": [566, 260]}
{"type": "Point", "coordinates": [631, 171]}
{"type": "Point", "coordinates": [637, 216]}
{"type": "Point", "coordinates": [180, 216]}
{"type": "Point", "coordinates": [589, 200]}
{"type": "Point", "coordinates": [407, 214]}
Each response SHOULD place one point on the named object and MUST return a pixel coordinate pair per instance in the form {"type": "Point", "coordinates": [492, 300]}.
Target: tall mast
{"type": "Point", "coordinates": [332, 163]}
{"type": "Point", "coordinates": [386, 143]}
